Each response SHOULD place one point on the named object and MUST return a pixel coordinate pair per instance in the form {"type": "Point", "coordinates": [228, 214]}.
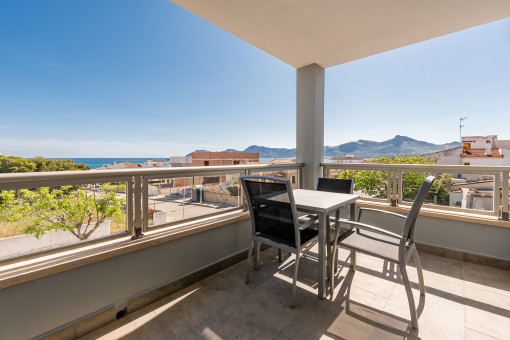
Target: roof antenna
{"type": "Point", "coordinates": [460, 127]}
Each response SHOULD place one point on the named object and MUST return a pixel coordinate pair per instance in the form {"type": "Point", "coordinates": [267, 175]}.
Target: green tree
{"type": "Point", "coordinates": [48, 164]}
{"type": "Point", "coordinates": [78, 211]}
{"type": "Point", "coordinates": [10, 164]}
{"type": "Point", "coordinates": [16, 164]}
{"type": "Point", "coordinates": [232, 188]}
{"type": "Point", "coordinates": [374, 183]}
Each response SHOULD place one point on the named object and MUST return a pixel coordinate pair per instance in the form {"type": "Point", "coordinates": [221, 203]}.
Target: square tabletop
{"type": "Point", "coordinates": [321, 201]}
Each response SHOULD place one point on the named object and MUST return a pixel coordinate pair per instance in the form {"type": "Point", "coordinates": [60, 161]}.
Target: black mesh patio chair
{"type": "Point", "coordinates": [341, 186]}
{"type": "Point", "coordinates": [275, 221]}
{"type": "Point", "coordinates": [386, 245]}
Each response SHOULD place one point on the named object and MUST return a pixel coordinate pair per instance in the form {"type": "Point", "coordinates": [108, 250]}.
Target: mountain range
{"type": "Point", "coordinates": [398, 145]}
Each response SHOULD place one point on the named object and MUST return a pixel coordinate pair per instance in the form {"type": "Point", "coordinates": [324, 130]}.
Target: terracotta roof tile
{"type": "Point", "coordinates": [480, 153]}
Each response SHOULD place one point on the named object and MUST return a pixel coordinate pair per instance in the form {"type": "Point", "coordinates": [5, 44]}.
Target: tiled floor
{"type": "Point", "coordinates": [463, 301]}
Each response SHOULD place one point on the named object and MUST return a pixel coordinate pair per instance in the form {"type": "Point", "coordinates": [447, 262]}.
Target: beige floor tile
{"type": "Point", "coordinates": [438, 317]}
{"type": "Point", "coordinates": [338, 319]}
{"type": "Point", "coordinates": [344, 290]}
{"type": "Point", "coordinates": [223, 326]}
{"type": "Point", "coordinates": [354, 322]}
{"type": "Point", "coordinates": [474, 335]}
{"type": "Point", "coordinates": [372, 274]}
{"type": "Point", "coordinates": [297, 329]}
{"type": "Point", "coordinates": [488, 312]}
{"type": "Point", "coordinates": [370, 303]}
{"type": "Point", "coordinates": [441, 265]}
{"type": "Point", "coordinates": [185, 309]}
{"type": "Point", "coordinates": [133, 323]}
{"type": "Point", "coordinates": [487, 278]}
{"type": "Point", "coordinates": [372, 283]}
{"type": "Point", "coordinates": [155, 329]}
{"type": "Point", "coordinates": [439, 281]}
{"type": "Point", "coordinates": [269, 304]}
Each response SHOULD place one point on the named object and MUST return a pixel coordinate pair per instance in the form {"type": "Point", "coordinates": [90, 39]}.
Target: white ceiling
{"type": "Point", "coordinates": [333, 32]}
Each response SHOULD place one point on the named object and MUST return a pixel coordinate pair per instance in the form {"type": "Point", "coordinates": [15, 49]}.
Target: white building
{"type": "Point", "coordinates": [476, 150]}
{"type": "Point", "coordinates": [157, 163]}
{"type": "Point", "coordinates": [348, 159]}
{"type": "Point", "coordinates": [180, 161]}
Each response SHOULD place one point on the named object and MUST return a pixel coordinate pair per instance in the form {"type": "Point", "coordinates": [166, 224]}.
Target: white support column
{"type": "Point", "coordinates": [310, 122]}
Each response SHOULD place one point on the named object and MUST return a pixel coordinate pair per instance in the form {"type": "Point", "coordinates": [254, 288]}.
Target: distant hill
{"type": "Point", "coordinates": [398, 145]}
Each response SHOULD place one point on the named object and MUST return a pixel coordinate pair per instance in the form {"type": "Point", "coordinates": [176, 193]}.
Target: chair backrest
{"type": "Point", "coordinates": [342, 186]}
{"type": "Point", "coordinates": [272, 208]}
{"type": "Point", "coordinates": [410, 222]}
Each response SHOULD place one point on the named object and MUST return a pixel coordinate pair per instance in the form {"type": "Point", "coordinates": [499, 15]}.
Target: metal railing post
{"type": "Point", "coordinates": [394, 191]}
{"type": "Point", "coordinates": [129, 206]}
{"type": "Point", "coordinates": [497, 194]}
{"type": "Point", "coordinates": [138, 208]}
{"type": "Point", "coordinates": [243, 204]}
{"type": "Point", "coordinates": [325, 172]}
{"type": "Point", "coordinates": [389, 188]}
{"type": "Point", "coordinates": [400, 197]}
{"type": "Point", "coordinates": [145, 204]}
{"type": "Point", "coordinates": [299, 172]}
{"type": "Point", "coordinates": [504, 197]}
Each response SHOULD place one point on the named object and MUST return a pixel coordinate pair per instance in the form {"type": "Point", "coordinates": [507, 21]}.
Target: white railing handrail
{"type": "Point", "coordinates": [394, 194]}
{"type": "Point", "coordinates": [418, 167]}
{"type": "Point", "coordinates": [16, 180]}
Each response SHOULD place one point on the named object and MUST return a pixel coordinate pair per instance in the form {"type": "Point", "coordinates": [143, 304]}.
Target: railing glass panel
{"type": "Point", "coordinates": [36, 219]}
{"type": "Point", "coordinates": [292, 175]}
{"type": "Point", "coordinates": [175, 199]}
{"type": "Point", "coordinates": [475, 189]}
{"type": "Point", "coordinates": [368, 184]}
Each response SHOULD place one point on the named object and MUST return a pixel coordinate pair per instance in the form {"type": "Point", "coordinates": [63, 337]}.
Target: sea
{"type": "Point", "coordinates": [95, 163]}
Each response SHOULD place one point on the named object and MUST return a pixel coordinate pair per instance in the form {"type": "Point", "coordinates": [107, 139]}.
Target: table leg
{"type": "Point", "coordinates": [322, 263]}
{"type": "Point", "coordinates": [352, 217]}
{"type": "Point", "coordinates": [337, 227]}
{"type": "Point", "coordinates": [256, 255]}
{"type": "Point", "coordinates": [352, 211]}
{"type": "Point", "coordinates": [328, 248]}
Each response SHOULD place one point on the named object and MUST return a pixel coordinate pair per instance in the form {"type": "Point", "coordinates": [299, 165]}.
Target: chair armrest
{"type": "Point", "coordinates": [310, 219]}
{"type": "Point", "coordinates": [384, 212]}
{"type": "Point", "coordinates": [370, 228]}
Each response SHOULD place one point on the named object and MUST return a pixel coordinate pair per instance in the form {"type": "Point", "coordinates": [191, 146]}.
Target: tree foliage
{"type": "Point", "coordinates": [78, 211]}
{"type": "Point", "coordinates": [375, 183]}
{"type": "Point", "coordinates": [38, 164]}
{"type": "Point", "coordinates": [232, 188]}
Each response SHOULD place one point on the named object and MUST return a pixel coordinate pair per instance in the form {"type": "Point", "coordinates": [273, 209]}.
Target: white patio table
{"type": "Point", "coordinates": [323, 203]}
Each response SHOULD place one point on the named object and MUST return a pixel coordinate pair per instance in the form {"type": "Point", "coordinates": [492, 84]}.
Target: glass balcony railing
{"type": "Point", "coordinates": [42, 211]}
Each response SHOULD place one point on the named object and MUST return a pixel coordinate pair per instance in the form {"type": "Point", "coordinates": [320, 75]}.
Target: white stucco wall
{"type": "Point", "coordinates": [24, 244]}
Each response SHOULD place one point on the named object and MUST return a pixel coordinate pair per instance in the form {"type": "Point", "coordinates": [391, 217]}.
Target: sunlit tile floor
{"type": "Point", "coordinates": [463, 301]}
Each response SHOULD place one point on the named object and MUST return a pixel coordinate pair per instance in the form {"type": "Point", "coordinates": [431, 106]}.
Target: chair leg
{"type": "Point", "coordinates": [336, 261]}
{"type": "Point", "coordinates": [417, 262]}
{"type": "Point", "coordinates": [328, 247]}
{"type": "Point", "coordinates": [293, 301]}
{"type": "Point", "coordinates": [353, 260]}
{"type": "Point", "coordinates": [280, 255]}
{"type": "Point", "coordinates": [248, 266]}
{"type": "Point", "coordinates": [333, 269]}
{"type": "Point", "coordinates": [410, 298]}
{"type": "Point", "coordinates": [256, 260]}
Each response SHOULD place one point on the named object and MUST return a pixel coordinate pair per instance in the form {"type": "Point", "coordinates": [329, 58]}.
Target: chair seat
{"type": "Point", "coordinates": [370, 243]}
{"type": "Point", "coordinates": [282, 234]}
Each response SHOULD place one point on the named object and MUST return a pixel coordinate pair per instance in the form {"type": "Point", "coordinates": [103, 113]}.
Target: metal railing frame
{"type": "Point", "coordinates": [137, 218]}
{"type": "Point", "coordinates": [395, 190]}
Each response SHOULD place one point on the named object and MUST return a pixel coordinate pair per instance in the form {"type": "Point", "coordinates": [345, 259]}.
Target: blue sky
{"type": "Point", "coordinates": [130, 78]}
